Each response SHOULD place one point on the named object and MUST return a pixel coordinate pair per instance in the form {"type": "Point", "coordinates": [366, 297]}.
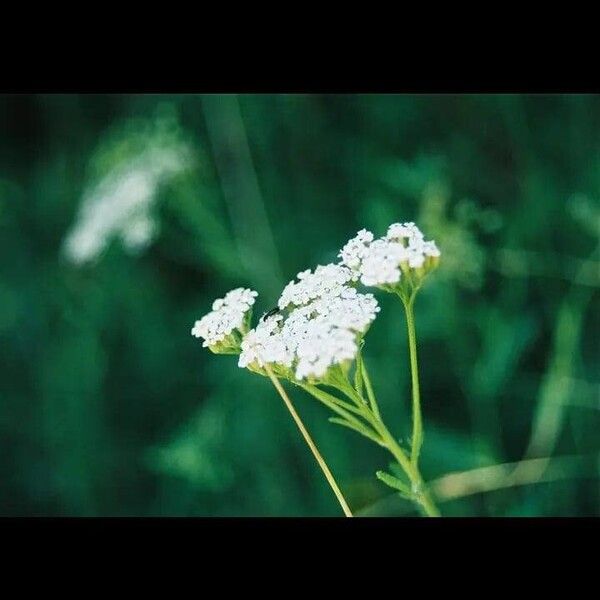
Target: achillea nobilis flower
{"type": "Point", "coordinates": [314, 337]}
{"type": "Point", "coordinates": [229, 315]}
{"type": "Point", "coordinates": [381, 262]}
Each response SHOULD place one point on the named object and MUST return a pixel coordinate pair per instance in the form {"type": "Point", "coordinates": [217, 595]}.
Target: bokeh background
{"type": "Point", "coordinates": [123, 216]}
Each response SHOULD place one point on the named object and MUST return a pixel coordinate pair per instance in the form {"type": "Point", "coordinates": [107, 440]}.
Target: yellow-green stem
{"type": "Point", "coordinates": [309, 441]}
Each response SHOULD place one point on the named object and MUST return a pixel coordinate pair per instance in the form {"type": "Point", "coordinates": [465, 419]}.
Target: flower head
{"type": "Point", "coordinates": [382, 262]}
{"type": "Point", "coordinates": [229, 315]}
{"type": "Point", "coordinates": [314, 336]}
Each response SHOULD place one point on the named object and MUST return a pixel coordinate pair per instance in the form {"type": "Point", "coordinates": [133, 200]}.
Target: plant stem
{"type": "Point", "coordinates": [308, 439]}
{"type": "Point", "coordinates": [419, 491]}
{"type": "Point", "coordinates": [417, 420]}
{"type": "Point", "coordinates": [424, 499]}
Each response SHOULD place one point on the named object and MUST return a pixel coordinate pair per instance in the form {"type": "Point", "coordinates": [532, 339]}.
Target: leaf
{"type": "Point", "coordinates": [335, 404]}
{"type": "Point", "coordinates": [370, 392]}
{"type": "Point", "coordinates": [395, 468]}
{"type": "Point", "coordinates": [362, 430]}
{"type": "Point", "coordinates": [358, 374]}
{"type": "Point", "coordinates": [394, 483]}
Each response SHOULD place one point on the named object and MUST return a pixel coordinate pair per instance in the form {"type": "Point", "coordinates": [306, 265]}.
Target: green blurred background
{"type": "Point", "coordinates": [108, 406]}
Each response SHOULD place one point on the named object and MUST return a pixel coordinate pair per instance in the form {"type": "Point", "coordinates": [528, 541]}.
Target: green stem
{"type": "Point", "coordinates": [423, 497]}
{"type": "Point", "coordinates": [420, 493]}
{"type": "Point", "coordinates": [417, 420]}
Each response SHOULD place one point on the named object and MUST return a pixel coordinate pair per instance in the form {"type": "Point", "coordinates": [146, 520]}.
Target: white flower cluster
{"type": "Point", "coordinates": [119, 205]}
{"type": "Point", "coordinates": [227, 315]}
{"type": "Point", "coordinates": [322, 314]}
{"type": "Point", "coordinates": [321, 329]}
{"type": "Point", "coordinates": [377, 262]}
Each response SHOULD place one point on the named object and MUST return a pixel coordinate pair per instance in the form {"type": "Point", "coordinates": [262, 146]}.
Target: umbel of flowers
{"type": "Point", "coordinates": [314, 340]}
{"type": "Point", "coordinates": [397, 262]}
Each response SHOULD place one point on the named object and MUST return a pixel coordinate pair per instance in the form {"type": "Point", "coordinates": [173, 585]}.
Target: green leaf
{"type": "Point", "coordinates": [394, 483]}
{"type": "Point", "coordinates": [362, 430]}
{"type": "Point", "coordinates": [370, 392]}
{"type": "Point", "coordinates": [335, 404]}
{"type": "Point", "coordinates": [395, 468]}
{"type": "Point", "coordinates": [358, 374]}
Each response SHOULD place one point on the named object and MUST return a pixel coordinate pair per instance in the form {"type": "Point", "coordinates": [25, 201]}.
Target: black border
{"type": "Point", "coordinates": [187, 70]}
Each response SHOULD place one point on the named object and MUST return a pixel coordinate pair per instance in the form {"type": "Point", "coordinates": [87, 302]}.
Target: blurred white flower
{"type": "Point", "coordinates": [120, 204]}
{"type": "Point", "coordinates": [140, 232]}
{"type": "Point", "coordinates": [228, 315]}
